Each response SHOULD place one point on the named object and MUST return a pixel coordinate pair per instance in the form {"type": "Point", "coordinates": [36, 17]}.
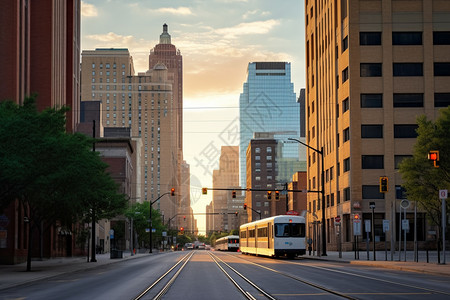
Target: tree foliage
{"type": "Point", "coordinates": [420, 178]}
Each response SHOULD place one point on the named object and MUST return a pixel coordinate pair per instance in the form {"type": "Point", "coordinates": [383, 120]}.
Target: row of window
{"type": "Point", "coordinates": [403, 69]}
{"type": "Point", "coordinates": [403, 100]}
{"type": "Point", "coordinates": [403, 38]}
{"type": "Point", "coordinates": [107, 66]}
{"type": "Point", "coordinates": [401, 131]}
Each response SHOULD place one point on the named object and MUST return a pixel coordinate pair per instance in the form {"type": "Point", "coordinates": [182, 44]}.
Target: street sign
{"type": "Point", "coordinates": [443, 194]}
{"type": "Point", "coordinates": [337, 219]}
{"type": "Point", "coordinates": [356, 228]}
{"type": "Point", "coordinates": [385, 225]}
{"type": "Point", "coordinates": [405, 224]}
{"type": "Point", "coordinates": [164, 233]}
{"type": "Point", "coordinates": [111, 234]}
{"type": "Point", "coordinates": [367, 225]}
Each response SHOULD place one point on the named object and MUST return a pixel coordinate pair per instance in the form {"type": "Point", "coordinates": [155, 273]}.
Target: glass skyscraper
{"type": "Point", "coordinates": [268, 105]}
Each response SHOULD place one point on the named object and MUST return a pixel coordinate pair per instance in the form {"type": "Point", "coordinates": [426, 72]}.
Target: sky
{"type": "Point", "coordinates": [217, 39]}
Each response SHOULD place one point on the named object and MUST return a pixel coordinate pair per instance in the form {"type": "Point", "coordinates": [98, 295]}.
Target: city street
{"type": "Point", "coordinates": [206, 275]}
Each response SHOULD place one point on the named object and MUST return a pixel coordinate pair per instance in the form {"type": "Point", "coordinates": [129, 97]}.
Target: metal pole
{"type": "Point", "coordinates": [400, 234]}
{"type": "Point", "coordinates": [151, 229]}
{"type": "Point", "coordinates": [392, 229]}
{"type": "Point", "coordinates": [416, 258]}
{"type": "Point", "coordinates": [404, 233]}
{"type": "Point", "coordinates": [373, 234]}
{"type": "Point", "coordinates": [443, 228]}
{"type": "Point", "coordinates": [93, 206]}
{"type": "Point", "coordinates": [131, 238]}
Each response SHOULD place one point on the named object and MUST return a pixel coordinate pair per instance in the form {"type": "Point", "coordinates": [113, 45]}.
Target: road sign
{"type": "Point", "coordinates": [356, 227]}
{"type": "Point", "coordinates": [443, 194]}
{"type": "Point", "coordinates": [385, 225]}
{"type": "Point", "coordinates": [111, 234]}
{"type": "Point", "coordinates": [337, 219]}
{"type": "Point", "coordinates": [367, 225]}
{"type": "Point", "coordinates": [405, 224]}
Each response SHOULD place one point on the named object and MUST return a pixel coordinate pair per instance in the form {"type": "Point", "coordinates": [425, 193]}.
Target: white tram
{"type": "Point", "coordinates": [228, 243]}
{"type": "Point", "coordinates": [274, 236]}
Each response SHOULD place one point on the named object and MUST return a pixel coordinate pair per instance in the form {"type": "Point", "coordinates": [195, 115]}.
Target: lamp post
{"type": "Point", "coordinates": [324, 231]}
{"type": "Point", "coordinates": [151, 203]}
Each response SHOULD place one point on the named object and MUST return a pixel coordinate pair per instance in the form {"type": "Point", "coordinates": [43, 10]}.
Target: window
{"type": "Point", "coordinates": [347, 164]}
{"type": "Point", "coordinates": [346, 134]}
{"type": "Point", "coordinates": [372, 161]}
{"type": "Point", "coordinates": [405, 131]}
{"type": "Point", "coordinates": [371, 131]}
{"type": "Point", "coordinates": [290, 230]}
{"type": "Point", "coordinates": [441, 37]}
{"type": "Point", "coordinates": [371, 192]}
{"type": "Point", "coordinates": [269, 157]}
{"type": "Point", "coordinates": [407, 38]}
{"type": "Point", "coordinates": [269, 149]}
{"type": "Point", "coordinates": [345, 44]}
{"type": "Point", "coordinates": [346, 194]}
{"type": "Point", "coordinates": [399, 158]}
{"type": "Point", "coordinates": [441, 69]}
{"type": "Point", "coordinates": [108, 66]}
{"type": "Point", "coordinates": [371, 100]}
{"type": "Point", "coordinates": [441, 99]}
{"type": "Point", "coordinates": [408, 100]}
{"type": "Point", "coordinates": [369, 38]}
{"type": "Point", "coordinates": [345, 75]}
{"type": "Point", "coordinates": [345, 105]}
{"type": "Point", "coordinates": [257, 150]}
{"type": "Point", "coordinates": [370, 70]}
{"type": "Point", "coordinates": [257, 157]}
{"type": "Point", "coordinates": [408, 69]}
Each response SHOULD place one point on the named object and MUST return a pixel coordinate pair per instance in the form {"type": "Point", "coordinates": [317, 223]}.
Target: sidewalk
{"type": "Point", "coordinates": [15, 275]}
{"type": "Point", "coordinates": [432, 267]}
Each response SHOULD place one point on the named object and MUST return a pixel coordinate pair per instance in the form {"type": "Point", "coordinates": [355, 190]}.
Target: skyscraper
{"type": "Point", "coordinates": [268, 104]}
{"type": "Point", "coordinates": [372, 67]}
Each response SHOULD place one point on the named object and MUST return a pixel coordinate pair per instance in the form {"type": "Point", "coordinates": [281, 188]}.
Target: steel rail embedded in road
{"type": "Point", "coordinates": [296, 278]}
{"type": "Point", "coordinates": [184, 259]}
{"type": "Point", "coordinates": [247, 294]}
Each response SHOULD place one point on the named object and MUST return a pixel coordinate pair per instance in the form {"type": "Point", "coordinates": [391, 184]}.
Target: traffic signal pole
{"type": "Point", "coordinates": [151, 229]}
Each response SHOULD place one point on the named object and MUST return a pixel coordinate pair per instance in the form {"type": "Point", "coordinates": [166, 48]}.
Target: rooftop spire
{"type": "Point", "coordinates": [164, 38]}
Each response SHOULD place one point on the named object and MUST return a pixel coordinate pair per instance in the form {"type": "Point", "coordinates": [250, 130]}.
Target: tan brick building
{"type": "Point", "coordinates": [372, 67]}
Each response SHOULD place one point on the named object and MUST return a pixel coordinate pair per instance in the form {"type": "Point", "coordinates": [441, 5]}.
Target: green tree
{"type": "Point", "coordinates": [56, 176]}
{"type": "Point", "coordinates": [420, 178]}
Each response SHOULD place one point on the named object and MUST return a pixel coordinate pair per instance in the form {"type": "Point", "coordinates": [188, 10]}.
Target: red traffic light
{"type": "Point", "coordinates": [181, 228]}
{"type": "Point", "coordinates": [277, 195]}
{"type": "Point", "coordinates": [172, 192]}
{"type": "Point", "coordinates": [269, 195]}
{"type": "Point", "coordinates": [233, 194]}
{"type": "Point", "coordinates": [245, 206]}
{"type": "Point", "coordinates": [184, 218]}
{"type": "Point", "coordinates": [434, 156]}
{"type": "Point", "coordinates": [236, 213]}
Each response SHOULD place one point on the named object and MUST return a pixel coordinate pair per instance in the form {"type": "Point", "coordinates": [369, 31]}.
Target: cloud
{"type": "Point", "coordinates": [175, 11]}
{"type": "Point", "coordinates": [88, 10]}
{"type": "Point", "coordinates": [255, 12]}
{"type": "Point", "coordinates": [258, 27]}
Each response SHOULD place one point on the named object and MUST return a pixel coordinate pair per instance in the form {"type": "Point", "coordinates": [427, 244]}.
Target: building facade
{"type": "Point", "coordinates": [372, 67]}
{"type": "Point", "coordinates": [268, 104]}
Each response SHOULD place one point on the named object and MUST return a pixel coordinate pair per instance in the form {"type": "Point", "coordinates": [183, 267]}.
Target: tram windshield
{"type": "Point", "coordinates": [290, 230]}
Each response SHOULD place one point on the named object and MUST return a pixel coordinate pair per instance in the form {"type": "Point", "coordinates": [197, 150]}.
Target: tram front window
{"type": "Point", "coordinates": [290, 230]}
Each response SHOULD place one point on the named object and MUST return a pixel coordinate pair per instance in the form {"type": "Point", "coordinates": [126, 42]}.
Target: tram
{"type": "Point", "coordinates": [228, 243]}
{"type": "Point", "coordinates": [275, 236]}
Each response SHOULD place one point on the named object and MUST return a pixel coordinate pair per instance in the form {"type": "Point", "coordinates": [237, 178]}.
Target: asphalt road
{"type": "Point", "coordinates": [203, 278]}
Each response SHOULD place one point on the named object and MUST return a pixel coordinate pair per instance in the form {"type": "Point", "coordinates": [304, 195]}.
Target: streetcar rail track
{"type": "Point", "coordinates": [317, 286]}
{"type": "Point", "coordinates": [185, 259]}
{"type": "Point", "coordinates": [245, 293]}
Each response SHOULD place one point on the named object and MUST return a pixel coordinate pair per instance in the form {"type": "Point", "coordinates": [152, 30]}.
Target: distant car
{"type": "Point", "coordinates": [189, 246]}
{"type": "Point", "coordinates": [208, 247]}
{"type": "Point", "coordinates": [202, 246]}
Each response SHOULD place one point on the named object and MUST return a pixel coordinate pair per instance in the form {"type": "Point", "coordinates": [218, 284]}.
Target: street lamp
{"type": "Point", "coordinates": [324, 231]}
{"type": "Point", "coordinates": [151, 203]}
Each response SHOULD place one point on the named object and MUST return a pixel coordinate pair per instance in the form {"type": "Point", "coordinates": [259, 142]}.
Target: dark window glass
{"type": "Point", "coordinates": [346, 194]}
{"type": "Point", "coordinates": [408, 100]}
{"type": "Point", "coordinates": [370, 69]}
{"type": "Point", "coordinates": [441, 37]}
{"type": "Point", "coordinates": [371, 192]}
{"type": "Point", "coordinates": [372, 161]}
{"type": "Point", "coordinates": [408, 69]}
{"type": "Point", "coordinates": [441, 69]}
{"type": "Point", "coordinates": [398, 159]}
{"type": "Point", "coordinates": [347, 164]}
{"type": "Point", "coordinates": [400, 192]}
{"type": "Point", "coordinates": [371, 100]}
{"type": "Point", "coordinates": [290, 230]}
{"type": "Point", "coordinates": [345, 75]}
{"type": "Point", "coordinates": [372, 131]}
{"type": "Point", "coordinates": [405, 131]}
{"type": "Point", "coordinates": [441, 99]}
{"type": "Point", "coordinates": [345, 44]}
{"type": "Point", "coordinates": [370, 38]}
{"type": "Point", "coordinates": [345, 105]}
{"type": "Point", "coordinates": [346, 134]}
{"type": "Point", "coordinates": [407, 38]}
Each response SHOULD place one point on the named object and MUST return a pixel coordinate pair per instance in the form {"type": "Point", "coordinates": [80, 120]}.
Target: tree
{"type": "Point", "coordinates": [421, 179]}
{"type": "Point", "coordinates": [54, 175]}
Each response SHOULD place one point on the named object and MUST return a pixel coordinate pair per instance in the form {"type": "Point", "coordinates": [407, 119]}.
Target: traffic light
{"type": "Point", "coordinates": [383, 184]}
{"type": "Point", "coordinates": [356, 217]}
{"type": "Point", "coordinates": [434, 156]}
{"type": "Point", "coordinates": [236, 213]}
{"type": "Point", "coordinates": [233, 194]}
{"type": "Point", "coordinates": [181, 230]}
{"type": "Point", "coordinates": [184, 218]}
{"type": "Point", "coordinates": [245, 206]}
{"type": "Point", "coordinates": [172, 192]}
{"type": "Point", "coordinates": [277, 195]}
{"type": "Point", "coordinates": [269, 195]}
{"type": "Point", "coordinates": [204, 191]}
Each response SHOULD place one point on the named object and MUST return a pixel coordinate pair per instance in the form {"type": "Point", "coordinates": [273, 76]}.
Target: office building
{"type": "Point", "coordinates": [372, 67]}
{"type": "Point", "coordinates": [268, 104]}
